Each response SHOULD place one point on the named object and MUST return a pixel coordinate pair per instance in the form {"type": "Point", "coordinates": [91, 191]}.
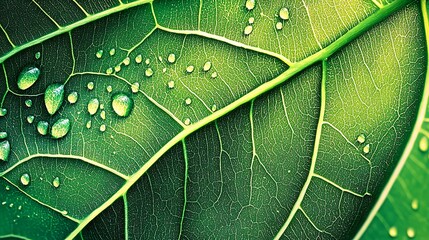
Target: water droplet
{"type": "Point", "coordinates": [251, 20]}
{"type": "Point", "coordinates": [109, 70]}
{"type": "Point", "coordinates": [250, 4]}
{"type": "Point", "coordinates": [135, 87]}
{"type": "Point", "coordinates": [147, 61]}
{"type": "Point", "coordinates": [3, 135]}
{"type": "Point", "coordinates": [190, 69]}
{"type": "Point", "coordinates": [279, 25]}
{"type": "Point", "coordinates": [93, 105]}
{"type": "Point", "coordinates": [112, 52]}
{"type": "Point", "coordinates": [118, 68]}
{"type": "Point", "coordinates": [3, 112]}
{"type": "Point", "coordinates": [207, 66]}
{"type": "Point", "coordinates": [122, 104]}
{"type": "Point", "coordinates": [187, 121]}
{"type": "Point", "coordinates": [28, 77]}
{"type": "Point", "coordinates": [25, 179]}
{"type": "Point", "coordinates": [64, 212]}
{"type": "Point", "coordinates": [366, 149]}
{"type": "Point", "coordinates": [4, 150]}
{"type": "Point", "coordinates": [28, 103]}
{"type": "Point", "coordinates": [361, 138]}
{"type": "Point", "coordinates": [37, 55]}
{"type": "Point", "coordinates": [188, 101]}
{"type": "Point", "coordinates": [30, 119]}
{"type": "Point", "coordinates": [214, 107]}
{"type": "Point", "coordinates": [164, 70]}
{"type": "Point", "coordinates": [20, 207]}
{"type": "Point", "coordinates": [410, 232]}
{"type": "Point", "coordinates": [126, 61]}
{"type": "Point", "coordinates": [89, 124]}
{"type": "Point", "coordinates": [214, 75]}
{"type": "Point", "coordinates": [171, 58]}
{"type": "Point", "coordinates": [415, 204]}
{"type": "Point", "coordinates": [11, 205]}
{"type": "Point", "coordinates": [139, 58]}
{"type": "Point", "coordinates": [101, 106]}
{"type": "Point", "coordinates": [42, 127]}
{"type": "Point", "coordinates": [56, 182]}
{"type": "Point", "coordinates": [54, 96]}
{"type": "Point", "coordinates": [393, 232]}
{"type": "Point", "coordinates": [103, 115]}
{"type": "Point", "coordinates": [72, 97]}
{"type": "Point", "coordinates": [148, 72]}
{"type": "Point", "coordinates": [102, 128]}
{"type": "Point", "coordinates": [423, 144]}
{"type": "Point", "coordinates": [99, 53]}
{"type": "Point", "coordinates": [248, 30]}
{"type": "Point", "coordinates": [170, 84]}
{"type": "Point", "coordinates": [109, 89]}
{"type": "Point", "coordinates": [3, 203]}
{"type": "Point", "coordinates": [7, 188]}
{"type": "Point", "coordinates": [60, 128]}
{"type": "Point", "coordinates": [284, 13]}
{"type": "Point", "coordinates": [160, 58]}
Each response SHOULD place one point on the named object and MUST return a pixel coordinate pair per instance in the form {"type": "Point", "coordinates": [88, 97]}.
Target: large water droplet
{"type": "Point", "coordinates": [139, 58]}
{"type": "Point", "coordinates": [102, 128]}
{"type": "Point", "coordinates": [393, 232]}
{"type": "Point", "coordinates": [93, 105]}
{"type": "Point", "coordinates": [279, 25]}
{"type": "Point", "coordinates": [188, 101]}
{"type": "Point", "coordinates": [248, 30]}
{"type": "Point", "coordinates": [423, 144]}
{"type": "Point", "coordinates": [72, 97]}
{"type": "Point", "coordinates": [30, 119]}
{"type": "Point", "coordinates": [284, 13]}
{"type": "Point", "coordinates": [42, 127]}
{"type": "Point", "coordinates": [366, 149]}
{"type": "Point", "coordinates": [126, 61]}
{"type": "Point", "coordinates": [122, 104]}
{"type": "Point", "coordinates": [60, 128]}
{"type": "Point", "coordinates": [171, 58]}
{"type": "Point", "coordinates": [28, 103]}
{"type": "Point", "coordinates": [361, 138]}
{"type": "Point", "coordinates": [250, 4]}
{"type": "Point", "coordinates": [90, 86]}
{"type": "Point", "coordinates": [54, 96]}
{"type": "Point", "coordinates": [56, 182]}
{"type": "Point", "coordinates": [410, 232]}
{"type": "Point", "coordinates": [148, 72]}
{"type": "Point", "coordinates": [4, 150]}
{"type": "Point", "coordinates": [28, 77]}
{"type": "Point", "coordinates": [3, 135]}
{"type": "Point", "coordinates": [112, 52]}
{"type": "Point", "coordinates": [25, 179]}
{"type": "Point", "coordinates": [170, 84]}
{"type": "Point", "coordinates": [135, 87]}
{"type": "Point", "coordinates": [3, 112]}
{"type": "Point", "coordinates": [99, 53]}
{"type": "Point", "coordinates": [207, 66]}
{"type": "Point", "coordinates": [190, 69]}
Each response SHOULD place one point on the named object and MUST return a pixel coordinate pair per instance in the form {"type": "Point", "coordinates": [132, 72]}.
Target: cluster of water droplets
{"type": "Point", "coordinates": [361, 139]}
{"type": "Point", "coordinates": [281, 17]}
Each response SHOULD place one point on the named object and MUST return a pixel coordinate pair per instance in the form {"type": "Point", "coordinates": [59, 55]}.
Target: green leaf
{"type": "Point", "coordinates": [207, 119]}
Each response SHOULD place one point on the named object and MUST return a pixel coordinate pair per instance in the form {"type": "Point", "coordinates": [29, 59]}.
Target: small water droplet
{"type": "Point", "coordinates": [112, 52]}
{"type": "Point", "coordinates": [410, 232]}
{"type": "Point", "coordinates": [89, 124]}
{"type": "Point", "coordinates": [118, 68]}
{"type": "Point", "coordinates": [56, 182]}
{"type": "Point", "coordinates": [393, 232]}
{"type": "Point", "coordinates": [188, 101]}
{"type": "Point", "coordinates": [28, 77]}
{"type": "Point", "coordinates": [160, 58]}
{"type": "Point", "coordinates": [102, 128]}
{"type": "Point", "coordinates": [187, 121]}
{"type": "Point", "coordinates": [60, 128]}
{"type": "Point", "coordinates": [248, 30]}
{"type": "Point", "coordinates": [99, 53]}
{"type": "Point", "coordinates": [214, 75]}
{"type": "Point", "coordinates": [3, 203]}
{"type": "Point", "coordinates": [3, 135]}
{"type": "Point", "coordinates": [37, 55]}
{"type": "Point", "coordinates": [207, 66]}
{"type": "Point", "coordinates": [101, 106]}
{"type": "Point", "coordinates": [7, 188]}
{"type": "Point", "coordinates": [64, 212]}
{"type": "Point", "coordinates": [30, 119]}
{"type": "Point", "coordinates": [279, 25]}
{"type": "Point", "coordinates": [109, 89]}
{"type": "Point", "coordinates": [250, 4]}
{"type": "Point", "coordinates": [11, 205]}
{"type": "Point", "coordinates": [171, 58]}
{"type": "Point", "coordinates": [25, 179]}
{"type": "Point", "coordinates": [164, 70]}
{"type": "Point", "coordinates": [103, 115]}
{"type": "Point", "coordinates": [122, 104]}
{"type": "Point", "coordinates": [135, 87]}
{"type": "Point", "coordinates": [126, 61]}
{"type": "Point", "coordinates": [415, 204]}
{"type": "Point", "coordinates": [28, 103]}
{"type": "Point", "coordinates": [3, 112]}
{"type": "Point", "coordinates": [139, 58]}
{"type": "Point", "coordinates": [214, 107]}
{"type": "Point", "coordinates": [109, 70]}
{"type": "Point", "coordinates": [170, 84]}
{"type": "Point", "coordinates": [366, 149]}
{"type": "Point", "coordinates": [251, 20]}
{"type": "Point", "coordinates": [72, 97]}
{"type": "Point", "coordinates": [42, 127]}
{"type": "Point", "coordinates": [147, 61]}
{"type": "Point", "coordinates": [4, 150]}
{"type": "Point", "coordinates": [93, 105]}
{"type": "Point", "coordinates": [190, 69]}
{"type": "Point", "coordinates": [54, 96]}
{"type": "Point", "coordinates": [423, 144]}
{"type": "Point", "coordinates": [361, 138]}
{"type": "Point", "coordinates": [284, 13]}
{"type": "Point", "coordinates": [148, 72]}
{"type": "Point", "coordinates": [20, 207]}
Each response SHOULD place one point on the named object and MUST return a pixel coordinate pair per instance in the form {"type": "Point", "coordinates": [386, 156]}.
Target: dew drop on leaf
{"type": "Point", "coordinates": [139, 58]}
{"type": "Point", "coordinates": [160, 58]}
{"type": "Point", "coordinates": [148, 72]}
{"type": "Point", "coordinates": [171, 58]}
{"type": "Point", "coordinates": [214, 107]}
{"type": "Point", "coordinates": [102, 128]}
{"type": "Point", "coordinates": [187, 121]}
{"type": "Point", "coordinates": [3, 112]}
{"type": "Point", "coordinates": [410, 232]}
{"type": "Point", "coordinates": [122, 104]}
{"type": "Point", "coordinates": [54, 96]}
{"type": "Point", "coordinates": [214, 75]}
{"type": "Point", "coordinates": [250, 4]}
{"type": "Point", "coordinates": [415, 204]}
{"type": "Point", "coordinates": [393, 232]}
{"type": "Point", "coordinates": [248, 30]}
{"type": "Point", "coordinates": [103, 115]}
{"type": "Point", "coordinates": [25, 179]}
{"type": "Point", "coordinates": [190, 69]}
{"type": "Point", "coordinates": [170, 84]}
{"type": "Point", "coordinates": [135, 87]}
{"type": "Point", "coordinates": [207, 66]}
{"type": "Point", "coordinates": [60, 128]}
{"type": "Point", "coordinates": [56, 182]}
{"type": "Point", "coordinates": [99, 53]}
{"type": "Point", "coordinates": [28, 77]}
{"type": "Point", "coordinates": [109, 70]}
{"type": "Point", "coordinates": [90, 85]}
{"type": "Point", "coordinates": [279, 25]}
{"type": "Point", "coordinates": [164, 70]}
{"type": "Point", "coordinates": [126, 61]}
{"type": "Point", "coordinates": [7, 188]}
{"type": "Point", "coordinates": [361, 138]}
{"type": "Point", "coordinates": [118, 68]}
{"type": "Point", "coordinates": [89, 124]}
{"type": "Point", "coordinates": [109, 89]}
{"type": "Point", "coordinates": [147, 61]}
{"type": "Point", "coordinates": [101, 106]}
{"type": "Point", "coordinates": [93, 105]}
{"type": "Point", "coordinates": [251, 20]}
{"type": "Point", "coordinates": [30, 119]}
{"type": "Point", "coordinates": [366, 149]}
{"type": "Point", "coordinates": [42, 127]}
{"type": "Point", "coordinates": [284, 13]}
{"type": "Point", "coordinates": [28, 103]}
{"type": "Point", "coordinates": [3, 135]}
{"type": "Point", "coordinates": [37, 55]}
{"type": "Point", "coordinates": [4, 150]}
{"type": "Point", "coordinates": [188, 101]}
{"type": "Point", "coordinates": [72, 97]}
{"type": "Point", "coordinates": [112, 52]}
{"type": "Point", "coordinates": [423, 144]}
